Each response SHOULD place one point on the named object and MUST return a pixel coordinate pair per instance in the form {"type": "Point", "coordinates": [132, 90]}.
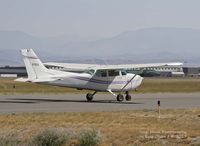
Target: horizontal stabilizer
{"type": "Point", "coordinates": [37, 80]}
{"type": "Point", "coordinates": [22, 80]}
{"type": "Point", "coordinates": [45, 80]}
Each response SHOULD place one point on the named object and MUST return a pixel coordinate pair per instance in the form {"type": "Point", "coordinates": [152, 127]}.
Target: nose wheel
{"type": "Point", "coordinates": [120, 97]}
{"type": "Point", "coordinates": [128, 96]}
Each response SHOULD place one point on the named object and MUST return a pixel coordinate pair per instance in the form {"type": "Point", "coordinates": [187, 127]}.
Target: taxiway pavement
{"type": "Point", "coordinates": [102, 102]}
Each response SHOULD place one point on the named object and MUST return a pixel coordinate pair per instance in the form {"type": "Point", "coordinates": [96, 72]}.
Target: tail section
{"type": "Point", "coordinates": [34, 66]}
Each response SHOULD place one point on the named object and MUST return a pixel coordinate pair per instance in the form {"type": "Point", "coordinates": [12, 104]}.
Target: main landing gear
{"type": "Point", "coordinates": [120, 97]}
{"type": "Point", "coordinates": [90, 96]}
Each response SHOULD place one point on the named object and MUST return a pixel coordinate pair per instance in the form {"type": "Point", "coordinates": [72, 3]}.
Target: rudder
{"type": "Point", "coordinates": [34, 66]}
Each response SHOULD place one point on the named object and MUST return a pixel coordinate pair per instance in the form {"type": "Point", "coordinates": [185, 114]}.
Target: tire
{"type": "Point", "coordinates": [120, 97]}
{"type": "Point", "coordinates": [128, 97]}
{"type": "Point", "coordinates": [89, 97]}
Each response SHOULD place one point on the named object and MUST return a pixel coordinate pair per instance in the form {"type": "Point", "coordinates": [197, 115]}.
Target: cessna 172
{"type": "Point", "coordinates": [109, 78]}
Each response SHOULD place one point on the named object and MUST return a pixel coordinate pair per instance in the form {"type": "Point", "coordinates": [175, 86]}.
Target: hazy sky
{"type": "Point", "coordinates": [96, 17]}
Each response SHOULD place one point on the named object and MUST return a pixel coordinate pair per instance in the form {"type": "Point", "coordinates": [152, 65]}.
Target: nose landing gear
{"type": "Point", "coordinates": [120, 97]}
{"type": "Point", "coordinates": [128, 96]}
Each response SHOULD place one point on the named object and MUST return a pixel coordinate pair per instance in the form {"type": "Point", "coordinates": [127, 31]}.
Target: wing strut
{"type": "Point", "coordinates": [128, 82]}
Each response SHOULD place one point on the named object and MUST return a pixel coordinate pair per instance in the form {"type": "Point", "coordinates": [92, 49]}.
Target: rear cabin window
{"type": "Point", "coordinates": [103, 73]}
{"type": "Point", "coordinates": [112, 73]}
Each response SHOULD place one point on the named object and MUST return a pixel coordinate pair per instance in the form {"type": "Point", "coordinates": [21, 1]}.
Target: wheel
{"type": "Point", "coordinates": [128, 97]}
{"type": "Point", "coordinates": [120, 97]}
{"type": "Point", "coordinates": [89, 97]}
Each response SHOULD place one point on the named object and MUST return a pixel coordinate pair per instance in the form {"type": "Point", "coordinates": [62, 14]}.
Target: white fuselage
{"type": "Point", "coordinates": [93, 82]}
{"type": "Point", "coordinates": [99, 79]}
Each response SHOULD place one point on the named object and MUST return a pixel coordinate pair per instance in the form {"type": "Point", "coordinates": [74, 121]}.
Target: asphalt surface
{"type": "Point", "coordinates": [102, 102]}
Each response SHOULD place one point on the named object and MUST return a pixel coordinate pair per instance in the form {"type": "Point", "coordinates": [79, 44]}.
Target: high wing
{"type": "Point", "coordinates": [131, 66]}
{"type": "Point", "coordinates": [71, 66]}
{"type": "Point", "coordinates": [83, 67]}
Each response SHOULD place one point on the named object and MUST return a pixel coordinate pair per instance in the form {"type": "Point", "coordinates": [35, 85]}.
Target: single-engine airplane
{"type": "Point", "coordinates": [112, 79]}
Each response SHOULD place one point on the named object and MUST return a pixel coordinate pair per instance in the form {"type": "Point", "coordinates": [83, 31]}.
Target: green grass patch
{"type": "Point", "coordinates": [149, 85]}
{"type": "Point", "coordinates": [153, 85]}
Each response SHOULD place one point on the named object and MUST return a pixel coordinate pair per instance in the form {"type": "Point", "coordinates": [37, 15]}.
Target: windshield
{"type": "Point", "coordinates": [91, 71]}
{"type": "Point", "coordinates": [123, 72]}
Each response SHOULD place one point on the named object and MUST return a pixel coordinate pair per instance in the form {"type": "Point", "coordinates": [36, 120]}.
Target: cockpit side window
{"type": "Point", "coordinates": [101, 73]}
{"type": "Point", "coordinates": [113, 73]}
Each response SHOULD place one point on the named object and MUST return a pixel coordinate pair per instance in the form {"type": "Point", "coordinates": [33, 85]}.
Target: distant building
{"type": "Point", "coordinates": [163, 71]}
{"type": "Point", "coordinates": [170, 71]}
{"type": "Point", "coordinates": [191, 71]}
{"type": "Point", "coordinates": [9, 71]}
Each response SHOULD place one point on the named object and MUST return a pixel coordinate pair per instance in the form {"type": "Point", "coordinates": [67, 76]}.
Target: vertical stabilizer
{"type": "Point", "coordinates": [34, 66]}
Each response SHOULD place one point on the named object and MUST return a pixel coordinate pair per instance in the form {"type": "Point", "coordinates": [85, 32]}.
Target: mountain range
{"type": "Point", "coordinates": [158, 44]}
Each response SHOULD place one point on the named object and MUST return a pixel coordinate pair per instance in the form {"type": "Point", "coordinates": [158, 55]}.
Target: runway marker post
{"type": "Point", "coordinates": [158, 103]}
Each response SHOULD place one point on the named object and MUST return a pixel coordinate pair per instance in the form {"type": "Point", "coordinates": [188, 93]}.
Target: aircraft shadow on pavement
{"type": "Point", "coordinates": [19, 101]}
{"type": "Point", "coordinates": [39, 100]}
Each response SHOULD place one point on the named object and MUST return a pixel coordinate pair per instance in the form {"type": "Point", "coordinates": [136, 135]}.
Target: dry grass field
{"type": "Point", "coordinates": [130, 128]}
{"type": "Point", "coordinates": [170, 85]}
{"type": "Point", "coordinates": [149, 85]}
